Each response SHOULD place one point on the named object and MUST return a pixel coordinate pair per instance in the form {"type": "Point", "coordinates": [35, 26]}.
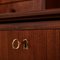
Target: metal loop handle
{"type": "Point", "coordinates": [17, 45]}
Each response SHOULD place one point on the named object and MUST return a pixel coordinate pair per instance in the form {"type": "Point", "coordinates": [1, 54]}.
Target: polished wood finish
{"type": "Point", "coordinates": [43, 44]}
{"type": "Point", "coordinates": [36, 40]}
{"type": "Point", "coordinates": [43, 36]}
{"type": "Point", "coordinates": [37, 45]}
{"type": "Point", "coordinates": [12, 53]}
{"type": "Point", "coordinates": [3, 45]}
{"type": "Point", "coordinates": [53, 45]}
{"type": "Point", "coordinates": [21, 6]}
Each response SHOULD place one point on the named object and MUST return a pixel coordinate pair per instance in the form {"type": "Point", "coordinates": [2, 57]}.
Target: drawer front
{"type": "Point", "coordinates": [30, 41]}
{"type": "Point", "coordinates": [36, 49]}
{"type": "Point", "coordinates": [42, 45]}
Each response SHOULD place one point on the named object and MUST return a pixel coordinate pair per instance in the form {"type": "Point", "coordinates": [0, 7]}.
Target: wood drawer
{"type": "Point", "coordinates": [43, 40]}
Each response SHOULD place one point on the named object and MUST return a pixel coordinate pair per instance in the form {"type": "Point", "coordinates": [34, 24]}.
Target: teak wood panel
{"type": "Point", "coordinates": [53, 45]}
{"type": "Point", "coordinates": [43, 44]}
{"type": "Point", "coordinates": [23, 6]}
{"type": "Point", "coordinates": [12, 53]}
{"type": "Point", "coordinates": [3, 45]}
{"type": "Point", "coordinates": [4, 8]}
{"type": "Point", "coordinates": [31, 5]}
{"type": "Point", "coordinates": [37, 45]}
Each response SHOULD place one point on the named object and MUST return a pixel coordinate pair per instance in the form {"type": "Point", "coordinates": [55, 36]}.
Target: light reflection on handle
{"type": "Point", "coordinates": [13, 42]}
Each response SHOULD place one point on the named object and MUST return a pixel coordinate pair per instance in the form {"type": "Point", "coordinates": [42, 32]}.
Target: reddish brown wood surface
{"type": "Point", "coordinates": [3, 45]}
{"type": "Point", "coordinates": [4, 8]}
{"type": "Point", "coordinates": [21, 6]}
{"type": "Point", "coordinates": [37, 44]}
{"type": "Point", "coordinates": [43, 44]}
{"type": "Point", "coordinates": [12, 53]}
{"type": "Point", "coordinates": [43, 38]}
{"type": "Point", "coordinates": [53, 45]}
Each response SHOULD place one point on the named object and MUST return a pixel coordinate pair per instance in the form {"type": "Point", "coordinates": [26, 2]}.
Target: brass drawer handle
{"type": "Point", "coordinates": [17, 45]}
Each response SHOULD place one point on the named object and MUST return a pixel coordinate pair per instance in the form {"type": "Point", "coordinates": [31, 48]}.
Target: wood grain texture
{"type": "Point", "coordinates": [29, 6]}
{"type": "Point", "coordinates": [37, 44]}
{"type": "Point", "coordinates": [4, 45]}
{"type": "Point", "coordinates": [53, 45]}
{"type": "Point", "coordinates": [22, 5]}
{"type": "Point", "coordinates": [4, 8]}
{"type": "Point", "coordinates": [57, 44]}
{"type": "Point", "coordinates": [43, 45]}
{"type": "Point", "coordinates": [37, 39]}
{"type": "Point", "coordinates": [0, 47]}
{"type": "Point", "coordinates": [12, 53]}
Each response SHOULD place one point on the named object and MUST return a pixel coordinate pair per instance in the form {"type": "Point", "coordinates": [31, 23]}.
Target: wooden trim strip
{"type": "Point", "coordinates": [31, 25]}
